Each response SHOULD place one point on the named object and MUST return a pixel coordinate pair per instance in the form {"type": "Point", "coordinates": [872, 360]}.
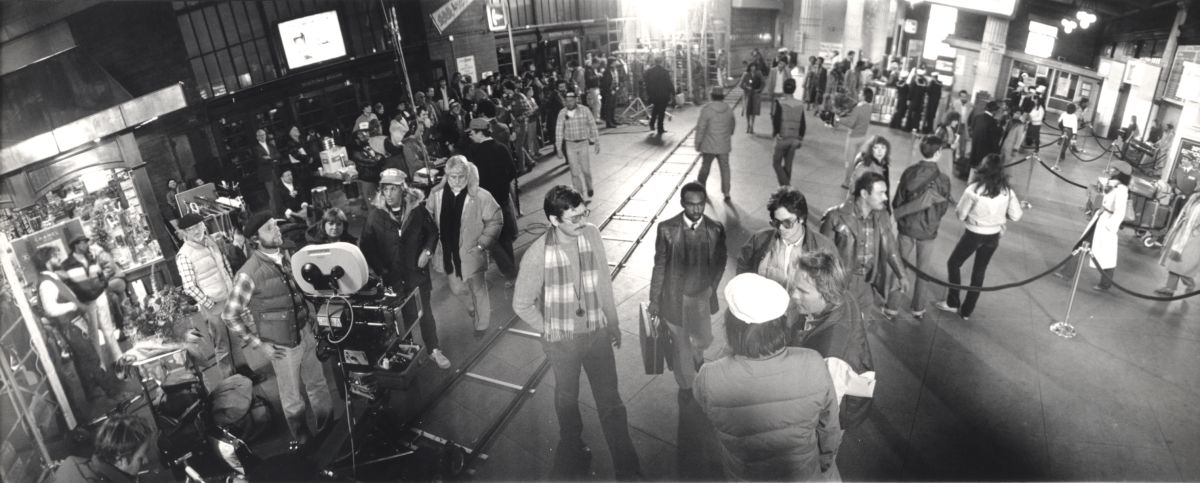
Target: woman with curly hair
{"type": "Point", "coordinates": [874, 156]}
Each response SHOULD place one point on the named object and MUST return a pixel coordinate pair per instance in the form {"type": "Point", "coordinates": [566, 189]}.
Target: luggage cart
{"type": "Point", "coordinates": [1148, 212]}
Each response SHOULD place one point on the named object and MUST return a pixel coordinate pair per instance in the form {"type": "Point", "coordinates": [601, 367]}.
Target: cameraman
{"type": "Point", "coordinates": [266, 296]}
{"type": "Point", "coordinates": [397, 240]}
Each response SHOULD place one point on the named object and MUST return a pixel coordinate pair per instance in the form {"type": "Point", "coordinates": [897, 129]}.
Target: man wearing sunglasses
{"type": "Point", "coordinates": [773, 251]}
{"type": "Point", "coordinates": [564, 292]}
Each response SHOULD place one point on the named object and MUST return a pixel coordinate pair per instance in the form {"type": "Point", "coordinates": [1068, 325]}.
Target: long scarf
{"type": "Point", "coordinates": [451, 221]}
{"type": "Point", "coordinates": [570, 308]}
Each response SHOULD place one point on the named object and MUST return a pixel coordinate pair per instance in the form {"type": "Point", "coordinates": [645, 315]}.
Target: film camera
{"type": "Point", "coordinates": [359, 319]}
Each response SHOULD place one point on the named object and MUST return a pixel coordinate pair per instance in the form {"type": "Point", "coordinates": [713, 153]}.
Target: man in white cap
{"type": "Point", "coordinates": [398, 240]}
{"type": "Point", "coordinates": [574, 131]}
{"type": "Point", "coordinates": [208, 279]}
{"type": "Point", "coordinates": [774, 408]}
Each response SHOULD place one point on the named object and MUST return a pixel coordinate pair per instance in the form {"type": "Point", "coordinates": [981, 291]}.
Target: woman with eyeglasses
{"type": "Point", "coordinates": [772, 251]}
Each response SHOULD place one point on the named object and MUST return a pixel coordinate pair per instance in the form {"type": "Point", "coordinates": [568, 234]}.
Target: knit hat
{"type": "Point", "coordinates": [189, 220]}
{"type": "Point", "coordinates": [755, 299]}
{"type": "Point", "coordinates": [256, 221]}
{"type": "Point", "coordinates": [392, 176]}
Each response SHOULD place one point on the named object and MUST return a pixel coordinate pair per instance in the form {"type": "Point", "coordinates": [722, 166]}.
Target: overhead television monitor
{"type": "Point", "coordinates": [312, 39]}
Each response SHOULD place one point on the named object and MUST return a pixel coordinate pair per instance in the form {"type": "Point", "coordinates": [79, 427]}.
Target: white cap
{"type": "Point", "coordinates": [755, 299]}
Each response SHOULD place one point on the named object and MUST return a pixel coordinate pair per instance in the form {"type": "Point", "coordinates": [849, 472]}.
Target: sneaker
{"type": "Point", "coordinates": [1056, 168]}
{"type": "Point", "coordinates": [918, 314]}
{"type": "Point", "coordinates": [944, 307]}
{"type": "Point", "coordinates": [440, 359]}
{"type": "Point", "coordinates": [889, 314]}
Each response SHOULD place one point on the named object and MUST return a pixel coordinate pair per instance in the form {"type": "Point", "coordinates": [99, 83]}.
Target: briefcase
{"type": "Point", "coordinates": [657, 347]}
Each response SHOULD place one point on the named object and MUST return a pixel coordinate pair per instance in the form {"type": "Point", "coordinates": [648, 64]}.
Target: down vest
{"type": "Point", "coordinates": [775, 417]}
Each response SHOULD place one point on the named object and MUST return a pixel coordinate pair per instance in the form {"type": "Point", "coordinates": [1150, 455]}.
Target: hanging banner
{"type": "Point", "coordinates": [445, 15]}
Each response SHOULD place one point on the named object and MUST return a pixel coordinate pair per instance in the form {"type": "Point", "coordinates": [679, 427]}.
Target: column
{"type": "Point", "coordinates": [987, 73]}
{"type": "Point", "coordinates": [852, 39]}
{"type": "Point", "coordinates": [878, 24]}
{"type": "Point", "coordinates": [808, 25]}
{"type": "Point", "coordinates": [1168, 61]}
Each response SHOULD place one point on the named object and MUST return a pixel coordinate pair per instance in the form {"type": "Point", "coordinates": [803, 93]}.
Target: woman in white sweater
{"type": "Point", "coordinates": [986, 206]}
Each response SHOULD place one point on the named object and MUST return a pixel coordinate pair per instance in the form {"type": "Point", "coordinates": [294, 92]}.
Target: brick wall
{"type": "Point", "coordinates": [471, 37]}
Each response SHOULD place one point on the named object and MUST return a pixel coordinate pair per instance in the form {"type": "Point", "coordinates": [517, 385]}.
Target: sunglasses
{"type": "Point", "coordinates": [787, 224]}
{"type": "Point", "coordinates": [577, 219]}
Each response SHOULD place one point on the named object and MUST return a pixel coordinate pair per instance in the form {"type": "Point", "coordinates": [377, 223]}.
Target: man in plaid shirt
{"type": "Point", "coordinates": [267, 298]}
{"type": "Point", "coordinates": [207, 279]}
{"type": "Point", "coordinates": [522, 109]}
{"type": "Point", "coordinates": [574, 131]}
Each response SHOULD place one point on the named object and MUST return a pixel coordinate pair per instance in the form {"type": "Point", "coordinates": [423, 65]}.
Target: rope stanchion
{"type": "Point", "coordinates": [1055, 173]}
{"type": "Point", "coordinates": [1098, 156]}
{"type": "Point", "coordinates": [1063, 328]}
{"type": "Point", "coordinates": [1019, 161]}
{"type": "Point", "coordinates": [993, 288]}
{"type": "Point", "coordinates": [1108, 279]}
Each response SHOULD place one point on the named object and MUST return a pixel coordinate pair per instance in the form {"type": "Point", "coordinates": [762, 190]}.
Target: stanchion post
{"type": "Point", "coordinates": [1063, 328]}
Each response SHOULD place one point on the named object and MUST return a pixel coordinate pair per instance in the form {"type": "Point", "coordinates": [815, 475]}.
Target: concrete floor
{"type": "Point", "coordinates": [995, 398]}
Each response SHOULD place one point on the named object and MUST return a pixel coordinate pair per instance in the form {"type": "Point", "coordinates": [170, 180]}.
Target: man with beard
{"type": "Point", "coordinates": [267, 298]}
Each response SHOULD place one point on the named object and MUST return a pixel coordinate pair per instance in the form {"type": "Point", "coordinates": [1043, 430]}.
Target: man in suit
{"type": "Point", "coordinates": [659, 90]}
{"type": "Point", "coordinates": [689, 260]}
{"type": "Point", "coordinates": [267, 158]}
{"type": "Point", "coordinates": [607, 99]}
{"type": "Point", "coordinates": [985, 133]}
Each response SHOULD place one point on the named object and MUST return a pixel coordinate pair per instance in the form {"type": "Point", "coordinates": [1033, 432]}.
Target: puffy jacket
{"type": "Point", "coordinates": [392, 249]}
{"type": "Point", "coordinates": [480, 225]}
{"type": "Point", "coordinates": [775, 417]}
{"type": "Point", "coordinates": [714, 128]}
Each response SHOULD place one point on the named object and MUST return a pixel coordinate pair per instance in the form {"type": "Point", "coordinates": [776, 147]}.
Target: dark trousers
{"type": "Point", "coordinates": [1033, 137]}
{"type": "Point", "coordinates": [658, 112]}
{"type": "Point", "coordinates": [608, 107]}
{"type": "Point", "coordinates": [593, 353]}
{"type": "Point", "coordinates": [428, 325]}
{"type": "Point", "coordinates": [982, 246]}
{"type": "Point", "coordinates": [502, 250]}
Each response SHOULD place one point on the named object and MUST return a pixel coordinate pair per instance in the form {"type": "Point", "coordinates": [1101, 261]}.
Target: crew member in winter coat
{"type": "Point", "coordinates": [659, 91]}
{"type": "Point", "coordinates": [468, 221]}
{"type": "Point", "coordinates": [922, 199]}
{"type": "Point", "coordinates": [787, 121]}
{"type": "Point", "coordinates": [714, 132]}
{"type": "Point", "coordinates": [689, 260]}
{"type": "Point", "coordinates": [398, 241]}
{"type": "Point", "coordinates": [774, 408]}
{"type": "Point", "coordinates": [831, 323]}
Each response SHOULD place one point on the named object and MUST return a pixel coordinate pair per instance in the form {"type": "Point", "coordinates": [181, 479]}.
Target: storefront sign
{"type": "Point", "coordinates": [445, 15]}
{"type": "Point", "coordinates": [466, 66]}
{"type": "Point", "coordinates": [910, 26]}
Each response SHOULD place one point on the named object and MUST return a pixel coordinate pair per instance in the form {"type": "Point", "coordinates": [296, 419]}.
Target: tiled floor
{"type": "Point", "coordinates": [995, 398]}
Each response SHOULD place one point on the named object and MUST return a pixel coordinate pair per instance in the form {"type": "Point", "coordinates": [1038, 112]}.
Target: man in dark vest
{"type": "Point", "coordinates": [265, 296]}
{"type": "Point", "coordinates": [787, 121]}
{"type": "Point", "coordinates": [689, 260]}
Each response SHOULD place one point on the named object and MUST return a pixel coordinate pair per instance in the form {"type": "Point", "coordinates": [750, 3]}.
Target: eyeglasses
{"type": "Point", "coordinates": [577, 219]}
{"type": "Point", "coordinates": [786, 224]}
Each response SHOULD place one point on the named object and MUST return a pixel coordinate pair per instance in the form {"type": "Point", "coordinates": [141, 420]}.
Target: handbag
{"type": "Point", "coordinates": [656, 343]}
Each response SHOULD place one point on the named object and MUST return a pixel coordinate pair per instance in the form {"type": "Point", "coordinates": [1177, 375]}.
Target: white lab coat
{"type": "Point", "coordinates": [1107, 222]}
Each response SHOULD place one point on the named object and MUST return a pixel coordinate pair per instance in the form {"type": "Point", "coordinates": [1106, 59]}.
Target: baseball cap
{"type": "Point", "coordinates": [189, 220]}
{"type": "Point", "coordinates": [256, 221]}
{"type": "Point", "coordinates": [392, 176]}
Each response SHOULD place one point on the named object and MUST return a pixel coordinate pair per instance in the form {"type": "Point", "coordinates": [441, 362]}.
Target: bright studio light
{"type": "Point", "coordinates": [665, 16]}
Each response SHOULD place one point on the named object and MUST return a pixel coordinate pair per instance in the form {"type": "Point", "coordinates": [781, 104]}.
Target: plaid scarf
{"type": "Point", "coordinates": [566, 305]}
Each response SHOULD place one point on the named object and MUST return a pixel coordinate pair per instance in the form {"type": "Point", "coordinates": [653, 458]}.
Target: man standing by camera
{"type": "Point", "coordinates": [397, 240]}
{"type": "Point", "coordinates": [689, 260]}
{"type": "Point", "coordinates": [265, 295]}
{"type": "Point", "coordinates": [564, 292]}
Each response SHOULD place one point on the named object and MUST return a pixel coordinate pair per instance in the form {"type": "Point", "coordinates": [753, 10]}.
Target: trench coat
{"type": "Point", "coordinates": [1105, 224]}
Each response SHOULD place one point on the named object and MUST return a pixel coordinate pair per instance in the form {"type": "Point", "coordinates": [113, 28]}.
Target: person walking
{"type": "Point", "coordinates": [787, 121]}
{"type": "Point", "coordinates": [774, 408]}
{"type": "Point", "coordinates": [714, 134]}
{"type": "Point", "coordinates": [857, 122]}
{"type": "Point", "coordinates": [1014, 136]}
{"type": "Point", "coordinates": [267, 310]}
{"type": "Point", "coordinates": [1037, 115]}
{"type": "Point", "coordinates": [1181, 249]}
{"type": "Point", "coordinates": [469, 220]}
{"type": "Point", "coordinates": [986, 134]}
{"type": "Point", "coordinates": [659, 91]}
{"type": "Point", "coordinates": [564, 293]}
{"type": "Point", "coordinates": [207, 279]}
{"type": "Point", "coordinates": [496, 175]}
{"type": "Point", "coordinates": [608, 98]}
{"type": "Point", "coordinates": [398, 240]}
{"type": "Point", "coordinates": [861, 228]}
{"type": "Point", "coordinates": [772, 252]}
{"type": "Point", "coordinates": [986, 207]}
{"type": "Point", "coordinates": [573, 128]}
{"type": "Point", "coordinates": [830, 321]}
{"type": "Point", "coordinates": [1068, 123]}
{"type": "Point", "coordinates": [752, 86]}
{"type": "Point", "coordinates": [689, 261]}
{"type": "Point", "coordinates": [1104, 225]}
{"type": "Point", "coordinates": [922, 199]}
{"type": "Point", "coordinates": [812, 93]}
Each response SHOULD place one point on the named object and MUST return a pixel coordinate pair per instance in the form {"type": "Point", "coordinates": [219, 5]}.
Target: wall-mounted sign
{"type": "Point", "coordinates": [910, 26]}
{"type": "Point", "coordinates": [466, 66]}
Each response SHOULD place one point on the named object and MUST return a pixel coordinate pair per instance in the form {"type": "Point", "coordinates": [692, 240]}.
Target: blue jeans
{"type": "Point", "coordinates": [971, 243]}
{"type": "Point", "coordinates": [593, 353]}
{"type": "Point", "coordinates": [298, 374]}
{"type": "Point", "coordinates": [781, 159]}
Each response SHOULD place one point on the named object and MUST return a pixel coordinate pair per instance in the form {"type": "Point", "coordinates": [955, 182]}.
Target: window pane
{"type": "Point", "coordinates": [228, 22]}
{"type": "Point", "coordinates": [239, 66]}
{"type": "Point", "coordinates": [267, 63]}
{"type": "Point", "coordinates": [227, 72]}
{"type": "Point", "coordinates": [203, 41]}
{"type": "Point", "coordinates": [254, 20]}
{"type": "Point", "coordinates": [214, 75]}
{"type": "Point", "coordinates": [202, 85]}
{"type": "Point", "coordinates": [242, 20]}
{"type": "Point", "coordinates": [253, 63]}
{"type": "Point", "coordinates": [214, 28]}
{"type": "Point", "coordinates": [189, 38]}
